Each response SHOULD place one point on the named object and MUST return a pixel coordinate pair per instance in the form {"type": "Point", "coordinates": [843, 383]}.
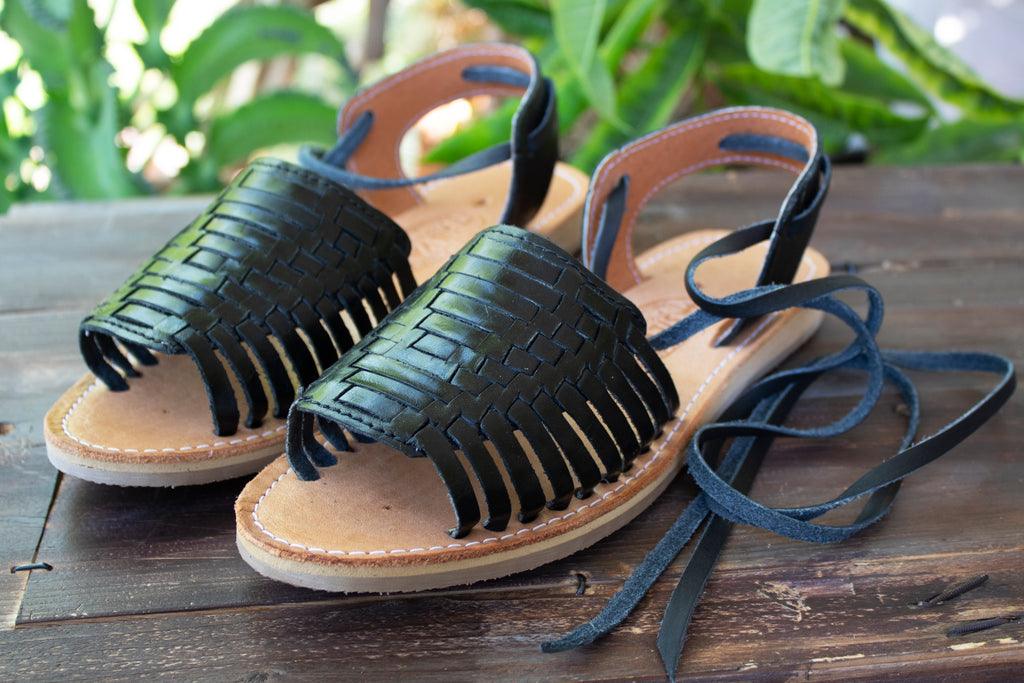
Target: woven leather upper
{"type": "Point", "coordinates": [282, 253]}
{"type": "Point", "coordinates": [512, 337]}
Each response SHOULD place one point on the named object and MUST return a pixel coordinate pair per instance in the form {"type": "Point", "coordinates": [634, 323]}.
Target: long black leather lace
{"type": "Point", "coordinates": [757, 417]}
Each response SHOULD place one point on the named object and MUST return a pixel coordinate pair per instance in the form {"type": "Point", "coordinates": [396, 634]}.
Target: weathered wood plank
{"type": "Point", "coordinates": [149, 581]}
{"type": "Point", "coordinates": [840, 620]}
{"type": "Point", "coordinates": [140, 551]}
{"type": "Point", "coordinates": [65, 255]}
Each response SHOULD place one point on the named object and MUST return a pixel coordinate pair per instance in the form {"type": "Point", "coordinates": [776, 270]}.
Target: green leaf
{"type": "Point", "coordinates": [521, 17]}
{"type": "Point", "coordinates": [276, 119]}
{"type": "Point", "coordinates": [797, 38]}
{"type": "Point", "coordinates": [932, 66]}
{"type": "Point", "coordinates": [80, 149]}
{"type": "Point", "coordinates": [154, 15]}
{"type": "Point", "coordinates": [245, 33]}
{"type": "Point", "coordinates": [650, 95]}
{"type": "Point", "coordinates": [963, 141]}
{"type": "Point", "coordinates": [577, 28]}
{"type": "Point", "coordinates": [625, 31]}
{"type": "Point", "coordinates": [868, 75]}
{"type": "Point", "coordinates": [43, 42]}
{"type": "Point", "coordinates": [836, 113]}
{"type": "Point", "coordinates": [599, 87]}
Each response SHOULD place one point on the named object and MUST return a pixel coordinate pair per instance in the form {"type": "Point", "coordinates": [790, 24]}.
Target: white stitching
{"type": "Point", "coordinates": [622, 484]}
{"type": "Point", "coordinates": [67, 432]}
{"type": "Point", "coordinates": [643, 143]}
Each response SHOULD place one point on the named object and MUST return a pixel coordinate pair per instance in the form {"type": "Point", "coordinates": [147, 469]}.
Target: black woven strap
{"type": "Point", "coordinates": [282, 253]}
{"type": "Point", "coordinates": [512, 336]}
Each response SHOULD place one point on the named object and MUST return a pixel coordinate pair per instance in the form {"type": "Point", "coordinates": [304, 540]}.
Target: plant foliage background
{"type": "Point", "coordinates": [877, 85]}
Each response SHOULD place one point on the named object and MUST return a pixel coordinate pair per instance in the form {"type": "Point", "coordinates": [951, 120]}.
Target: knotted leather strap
{"type": "Point", "coordinates": [282, 253]}
{"type": "Point", "coordinates": [512, 337]}
{"type": "Point", "coordinates": [629, 177]}
{"type": "Point", "coordinates": [752, 422]}
{"type": "Point", "coordinates": [373, 123]}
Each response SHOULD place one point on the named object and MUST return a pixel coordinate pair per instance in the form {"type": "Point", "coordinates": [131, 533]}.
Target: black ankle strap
{"type": "Point", "coordinates": [372, 125]}
{"type": "Point", "coordinates": [628, 178]}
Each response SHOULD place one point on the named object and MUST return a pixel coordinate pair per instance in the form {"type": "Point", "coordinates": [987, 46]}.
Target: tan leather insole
{"type": "Point", "coordinates": [381, 514]}
{"type": "Point", "coordinates": [164, 417]}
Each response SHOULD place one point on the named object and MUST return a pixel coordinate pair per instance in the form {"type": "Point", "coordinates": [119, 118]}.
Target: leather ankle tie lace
{"type": "Point", "coordinates": [757, 417]}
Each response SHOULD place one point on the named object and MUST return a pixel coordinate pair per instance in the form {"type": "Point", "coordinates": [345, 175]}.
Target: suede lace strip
{"type": "Point", "coordinates": [281, 254]}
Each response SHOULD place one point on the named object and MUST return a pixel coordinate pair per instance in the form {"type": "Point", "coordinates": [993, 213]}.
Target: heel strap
{"type": "Point", "coordinates": [754, 136]}
{"type": "Point", "coordinates": [373, 123]}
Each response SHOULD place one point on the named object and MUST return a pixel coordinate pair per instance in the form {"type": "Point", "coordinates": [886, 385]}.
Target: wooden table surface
{"type": "Point", "coordinates": [148, 581]}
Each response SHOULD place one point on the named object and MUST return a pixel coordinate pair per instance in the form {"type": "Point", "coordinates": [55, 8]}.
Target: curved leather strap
{"type": "Point", "coordinates": [373, 123]}
{"type": "Point", "coordinates": [281, 253]}
{"type": "Point", "coordinates": [511, 336]}
{"type": "Point", "coordinates": [629, 177]}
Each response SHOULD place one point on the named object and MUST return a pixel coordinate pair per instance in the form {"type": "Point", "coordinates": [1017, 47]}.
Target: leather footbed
{"type": "Point", "coordinates": [378, 520]}
{"type": "Point", "coordinates": [159, 433]}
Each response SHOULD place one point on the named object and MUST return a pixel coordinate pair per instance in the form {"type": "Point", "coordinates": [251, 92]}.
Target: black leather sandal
{"type": "Point", "coordinates": [520, 387]}
{"type": "Point", "coordinates": [287, 267]}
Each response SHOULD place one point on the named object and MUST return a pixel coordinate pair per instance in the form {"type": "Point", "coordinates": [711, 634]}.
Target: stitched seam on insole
{"type": "Point", "coordinates": [494, 539]}
{"type": "Point", "coordinates": [625, 482]}
{"type": "Point", "coordinates": [570, 178]}
{"type": "Point", "coordinates": [67, 431]}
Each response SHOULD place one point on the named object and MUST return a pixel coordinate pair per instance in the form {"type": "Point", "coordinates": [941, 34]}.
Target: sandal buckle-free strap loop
{"type": "Point", "coordinates": [282, 254]}
{"type": "Point", "coordinates": [512, 349]}
{"type": "Point", "coordinates": [628, 178]}
{"type": "Point", "coordinates": [377, 119]}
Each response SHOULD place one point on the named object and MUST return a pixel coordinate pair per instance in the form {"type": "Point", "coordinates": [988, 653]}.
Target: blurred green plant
{"type": "Point", "coordinates": [623, 68]}
{"type": "Point", "coordinates": [74, 133]}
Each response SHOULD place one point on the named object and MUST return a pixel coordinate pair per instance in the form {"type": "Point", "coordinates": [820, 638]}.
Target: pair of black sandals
{"type": "Point", "coordinates": [457, 400]}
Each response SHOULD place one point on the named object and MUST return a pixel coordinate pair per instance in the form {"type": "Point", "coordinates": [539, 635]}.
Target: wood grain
{"type": "Point", "coordinates": [148, 581]}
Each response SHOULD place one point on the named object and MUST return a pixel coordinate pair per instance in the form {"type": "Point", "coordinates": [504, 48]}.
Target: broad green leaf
{"type": "Point", "coordinates": [245, 33]}
{"type": "Point", "coordinates": [836, 113]}
{"type": "Point", "coordinates": [85, 38]}
{"type": "Point", "coordinates": [868, 75]}
{"type": "Point", "coordinates": [154, 15]}
{"type": "Point", "coordinates": [577, 28]}
{"type": "Point", "coordinates": [650, 95]}
{"type": "Point", "coordinates": [42, 42]}
{"type": "Point", "coordinates": [929, 64]}
{"type": "Point", "coordinates": [80, 150]}
{"type": "Point", "coordinates": [732, 14]}
{"type": "Point", "coordinates": [599, 87]}
{"type": "Point", "coordinates": [279, 118]}
{"type": "Point", "coordinates": [626, 30]}
{"type": "Point", "coordinates": [797, 38]}
{"type": "Point", "coordinates": [9, 160]}
{"type": "Point", "coordinates": [959, 142]}
{"type": "Point", "coordinates": [521, 17]}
